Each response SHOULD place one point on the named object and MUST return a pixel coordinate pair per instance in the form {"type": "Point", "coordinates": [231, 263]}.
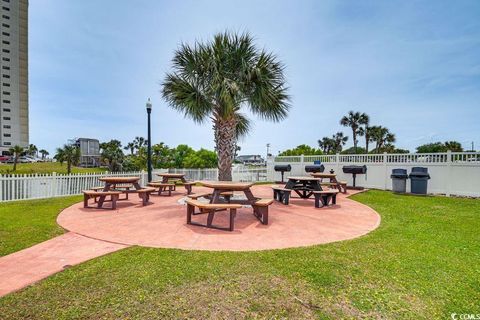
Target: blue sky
{"type": "Point", "coordinates": [413, 66]}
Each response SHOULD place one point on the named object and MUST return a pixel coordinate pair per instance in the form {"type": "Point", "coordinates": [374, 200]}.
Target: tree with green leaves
{"type": "Point", "coordinates": [436, 147]}
{"type": "Point", "coordinates": [32, 150]}
{"type": "Point", "coordinates": [355, 120]}
{"type": "Point", "coordinates": [326, 144]}
{"type": "Point", "coordinates": [382, 137]}
{"type": "Point", "coordinates": [368, 134]}
{"type": "Point", "coordinates": [112, 155]}
{"type": "Point", "coordinates": [70, 154]}
{"type": "Point", "coordinates": [131, 147]}
{"type": "Point", "coordinates": [139, 142]}
{"type": "Point", "coordinates": [339, 141]}
{"type": "Point", "coordinates": [16, 151]}
{"type": "Point", "coordinates": [214, 80]}
{"type": "Point", "coordinates": [44, 153]}
{"type": "Point", "coordinates": [201, 159]}
{"type": "Point", "coordinates": [454, 146]}
{"type": "Point", "coordinates": [301, 149]}
{"type": "Point", "coordinates": [352, 150]}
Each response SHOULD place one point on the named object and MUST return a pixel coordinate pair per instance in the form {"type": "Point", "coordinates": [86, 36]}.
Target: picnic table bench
{"type": "Point", "coordinates": [162, 186]}
{"type": "Point", "coordinates": [89, 194]}
{"type": "Point", "coordinates": [281, 194]}
{"type": "Point", "coordinates": [324, 197]}
{"type": "Point", "coordinates": [211, 209]}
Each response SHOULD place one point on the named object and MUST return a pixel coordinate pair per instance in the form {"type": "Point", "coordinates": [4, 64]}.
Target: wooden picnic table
{"type": "Point", "coordinates": [304, 186]}
{"type": "Point", "coordinates": [111, 184]}
{"type": "Point", "coordinates": [331, 176]}
{"type": "Point", "coordinates": [341, 186]}
{"type": "Point", "coordinates": [166, 177]}
{"type": "Point", "coordinates": [230, 186]}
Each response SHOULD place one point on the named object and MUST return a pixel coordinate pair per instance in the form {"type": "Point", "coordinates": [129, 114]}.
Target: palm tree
{"type": "Point", "coordinates": [69, 154]}
{"type": "Point", "coordinates": [368, 132]}
{"type": "Point", "coordinates": [381, 136]}
{"type": "Point", "coordinates": [32, 150]}
{"type": "Point", "coordinates": [130, 146]}
{"type": "Point", "coordinates": [355, 120]}
{"type": "Point", "coordinates": [453, 146]}
{"type": "Point", "coordinates": [339, 141]}
{"type": "Point", "coordinates": [59, 156]}
{"type": "Point", "coordinates": [16, 151]}
{"type": "Point", "coordinates": [325, 144]}
{"type": "Point", "coordinates": [214, 80]}
{"type": "Point", "coordinates": [139, 142]}
{"type": "Point", "coordinates": [44, 153]}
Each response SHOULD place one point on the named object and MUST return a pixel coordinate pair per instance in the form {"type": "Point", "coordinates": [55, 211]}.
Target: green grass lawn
{"type": "Point", "coordinates": [43, 167]}
{"type": "Point", "coordinates": [423, 262]}
{"type": "Point", "coordinates": [25, 223]}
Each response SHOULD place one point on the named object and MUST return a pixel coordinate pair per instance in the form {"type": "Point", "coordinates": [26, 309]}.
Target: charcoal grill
{"type": "Point", "coordinates": [282, 168]}
{"type": "Point", "coordinates": [314, 168]}
{"type": "Point", "coordinates": [354, 170]}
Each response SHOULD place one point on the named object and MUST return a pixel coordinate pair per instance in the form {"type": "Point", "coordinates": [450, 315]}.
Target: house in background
{"type": "Point", "coordinates": [254, 159]}
{"type": "Point", "coordinates": [89, 152]}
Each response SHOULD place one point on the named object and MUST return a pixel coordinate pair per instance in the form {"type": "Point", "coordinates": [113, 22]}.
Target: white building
{"type": "Point", "coordinates": [13, 74]}
{"type": "Point", "coordinates": [89, 152]}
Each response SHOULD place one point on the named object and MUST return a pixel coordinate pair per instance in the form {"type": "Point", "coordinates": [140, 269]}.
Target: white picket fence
{"type": "Point", "coordinates": [452, 173]}
{"type": "Point", "coordinates": [38, 186]}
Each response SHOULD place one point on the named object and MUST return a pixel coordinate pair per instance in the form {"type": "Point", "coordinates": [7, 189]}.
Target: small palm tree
{"type": "Point", "coordinates": [381, 136]}
{"type": "Point", "coordinates": [215, 80]}
{"type": "Point", "coordinates": [16, 151]}
{"type": "Point", "coordinates": [139, 142]}
{"type": "Point", "coordinates": [130, 146]}
{"type": "Point", "coordinates": [44, 153]}
{"type": "Point", "coordinates": [32, 150]}
{"type": "Point", "coordinates": [326, 144]}
{"type": "Point", "coordinates": [355, 120]}
{"type": "Point", "coordinates": [368, 133]}
{"type": "Point", "coordinates": [339, 141]}
{"type": "Point", "coordinates": [69, 154]}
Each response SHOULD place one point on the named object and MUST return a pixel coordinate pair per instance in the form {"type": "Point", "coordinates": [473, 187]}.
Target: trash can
{"type": "Point", "coordinates": [399, 180]}
{"type": "Point", "coordinates": [419, 180]}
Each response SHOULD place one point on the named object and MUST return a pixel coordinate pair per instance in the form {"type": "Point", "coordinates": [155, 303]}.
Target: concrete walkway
{"type": "Point", "coordinates": [30, 265]}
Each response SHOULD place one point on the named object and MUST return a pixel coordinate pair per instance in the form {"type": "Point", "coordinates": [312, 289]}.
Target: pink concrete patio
{"type": "Point", "coordinates": [95, 232]}
{"type": "Point", "coordinates": [163, 224]}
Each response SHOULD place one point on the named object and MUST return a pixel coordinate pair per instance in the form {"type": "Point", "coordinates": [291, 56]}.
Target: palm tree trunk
{"type": "Point", "coordinates": [15, 163]}
{"type": "Point", "coordinates": [225, 139]}
{"type": "Point", "coordinates": [69, 167]}
{"type": "Point", "coordinates": [366, 143]}
{"type": "Point", "coordinates": [354, 134]}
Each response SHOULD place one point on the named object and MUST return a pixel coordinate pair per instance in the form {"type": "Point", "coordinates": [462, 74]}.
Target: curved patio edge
{"type": "Point", "coordinates": [162, 224]}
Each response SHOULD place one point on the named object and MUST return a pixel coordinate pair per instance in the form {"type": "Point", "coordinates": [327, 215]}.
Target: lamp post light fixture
{"type": "Point", "coordinates": [149, 142]}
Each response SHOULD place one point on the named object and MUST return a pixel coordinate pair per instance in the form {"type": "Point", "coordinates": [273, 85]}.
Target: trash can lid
{"type": "Point", "coordinates": [420, 175]}
{"type": "Point", "coordinates": [399, 176]}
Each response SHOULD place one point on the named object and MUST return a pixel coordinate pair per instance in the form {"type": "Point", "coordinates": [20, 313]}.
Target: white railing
{"type": "Point", "coordinates": [38, 186]}
{"type": "Point", "coordinates": [240, 173]}
{"type": "Point", "coordinates": [452, 173]}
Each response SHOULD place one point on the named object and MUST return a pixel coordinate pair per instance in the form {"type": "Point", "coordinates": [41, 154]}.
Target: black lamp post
{"type": "Point", "coordinates": [149, 142]}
